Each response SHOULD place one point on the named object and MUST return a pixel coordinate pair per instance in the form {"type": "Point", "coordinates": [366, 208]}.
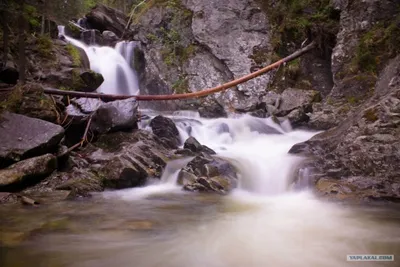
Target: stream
{"type": "Point", "coordinates": [269, 220]}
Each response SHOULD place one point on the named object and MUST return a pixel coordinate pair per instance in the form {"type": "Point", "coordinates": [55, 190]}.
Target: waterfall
{"type": "Point", "coordinates": [119, 77]}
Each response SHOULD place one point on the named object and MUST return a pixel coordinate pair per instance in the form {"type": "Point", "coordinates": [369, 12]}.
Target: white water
{"type": "Point", "coordinates": [262, 223]}
{"type": "Point", "coordinates": [119, 78]}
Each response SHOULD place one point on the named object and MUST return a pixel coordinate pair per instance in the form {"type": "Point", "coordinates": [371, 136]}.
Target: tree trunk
{"type": "Point", "coordinates": [4, 21]}
{"type": "Point", "coordinates": [21, 42]}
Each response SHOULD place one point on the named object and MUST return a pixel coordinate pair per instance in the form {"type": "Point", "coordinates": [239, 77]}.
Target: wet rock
{"type": "Point", "coordinates": [292, 99]}
{"type": "Point", "coordinates": [166, 129]}
{"type": "Point", "coordinates": [116, 115]}
{"type": "Point", "coordinates": [212, 109]}
{"type": "Point", "coordinates": [23, 137]}
{"type": "Point", "coordinates": [193, 145]}
{"type": "Point", "coordinates": [361, 153]}
{"type": "Point", "coordinates": [80, 182]}
{"type": "Point", "coordinates": [298, 117]}
{"type": "Point", "coordinates": [92, 80]}
{"type": "Point", "coordinates": [208, 174]}
{"type": "Point", "coordinates": [104, 18]}
{"type": "Point", "coordinates": [9, 75]}
{"type": "Point", "coordinates": [110, 38]}
{"type": "Point", "coordinates": [73, 31]}
{"type": "Point", "coordinates": [27, 172]}
{"type": "Point", "coordinates": [92, 37]}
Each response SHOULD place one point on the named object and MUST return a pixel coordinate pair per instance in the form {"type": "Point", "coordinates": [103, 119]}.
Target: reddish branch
{"type": "Point", "coordinates": [203, 93]}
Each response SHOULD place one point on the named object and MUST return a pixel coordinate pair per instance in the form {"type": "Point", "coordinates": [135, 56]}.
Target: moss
{"type": "Point", "coordinates": [181, 86]}
{"type": "Point", "coordinates": [75, 55]}
{"type": "Point", "coordinates": [13, 100]}
{"type": "Point", "coordinates": [77, 82]}
{"type": "Point", "coordinates": [377, 46]}
{"type": "Point", "coordinates": [45, 46]}
{"type": "Point", "coordinates": [296, 20]}
{"type": "Point", "coordinates": [352, 100]}
{"type": "Point", "coordinates": [371, 115]}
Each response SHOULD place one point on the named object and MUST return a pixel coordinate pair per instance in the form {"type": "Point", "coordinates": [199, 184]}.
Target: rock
{"type": "Point", "coordinates": [80, 182]}
{"type": "Point", "coordinates": [104, 18]}
{"type": "Point", "coordinates": [9, 75]}
{"type": "Point", "coordinates": [110, 38]}
{"type": "Point", "coordinates": [92, 37]}
{"type": "Point", "coordinates": [208, 174]}
{"type": "Point", "coordinates": [166, 129]}
{"type": "Point", "coordinates": [295, 98]}
{"type": "Point", "coordinates": [193, 145]}
{"type": "Point", "coordinates": [27, 172]}
{"type": "Point", "coordinates": [31, 101]}
{"type": "Point", "coordinates": [73, 31]}
{"type": "Point", "coordinates": [298, 117]}
{"type": "Point", "coordinates": [23, 137]}
{"type": "Point", "coordinates": [116, 115]}
{"type": "Point", "coordinates": [361, 153]}
{"type": "Point", "coordinates": [212, 109]}
{"type": "Point", "coordinates": [92, 79]}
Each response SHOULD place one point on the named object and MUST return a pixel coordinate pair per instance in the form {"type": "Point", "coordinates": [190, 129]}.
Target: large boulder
{"type": "Point", "coordinates": [116, 160]}
{"type": "Point", "coordinates": [31, 101]}
{"type": "Point", "coordinates": [293, 98]}
{"type": "Point", "coordinates": [165, 129]}
{"type": "Point", "coordinates": [92, 81]}
{"type": "Point", "coordinates": [27, 172]}
{"type": "Point", "coordinates": [116, 115]}
{"type": "Point", "coordinates": [23, 137]}
{"type": "Point", "coordinates": [104, 18]}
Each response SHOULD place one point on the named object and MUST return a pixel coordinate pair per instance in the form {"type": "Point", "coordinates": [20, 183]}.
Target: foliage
{"type": "Point", "coordinates": [45, 46]}
{"type": "Point", "coordinates": [181, 86]}
{"type": "Point", "coordinates": [75, 55]}
{"type": "Point", "coordinates": [377, 46]}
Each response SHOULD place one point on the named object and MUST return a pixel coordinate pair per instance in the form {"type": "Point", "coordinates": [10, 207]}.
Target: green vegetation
{"type": "Point", "coordinates": [75, 55]}
{"type": "Point", "coordinates": [297, 20]}
{"type": "Point", "coordinates": [77, 82]}
{"type": "Point", "coordinates": [377, 46]}
{"type": "Point", "coordinates": [181, 86]}
{"type": "Point", "coordinates": [45, 46]}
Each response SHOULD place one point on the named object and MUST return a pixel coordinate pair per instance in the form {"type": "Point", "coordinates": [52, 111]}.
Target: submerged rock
{"type": "Point", "coordinates": [208, 174]}
{"type": "Point", "coordinates": [23, 137]}
{"type": "Point", "coordinates": [27, 172]}
{"type": "Point", "coordinates": [166, 129]}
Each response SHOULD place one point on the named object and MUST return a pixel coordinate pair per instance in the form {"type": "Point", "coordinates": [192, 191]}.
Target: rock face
{"type": "Point", "coordinates": [27, 172]}
{"type": "Point", "coordinates": [104, 18]}
{"type": "Point", "coordinates": [203, 33]}
{"type": "Point", "coordinates": [23, 137]}
{"type": "Point", "coordinates": [358, 159]}
{"type": "Point", "coordinates": [165, 129]}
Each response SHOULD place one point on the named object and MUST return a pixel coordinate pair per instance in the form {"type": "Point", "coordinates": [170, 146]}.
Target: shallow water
{"type": "Point", "coordinates": [182, 229]}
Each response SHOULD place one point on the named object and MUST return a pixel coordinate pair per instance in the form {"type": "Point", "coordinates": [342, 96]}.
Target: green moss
{"type": "Point", "coordinates": [181, 86]}
{"type": "Point", "coordinates": [77, 82]}
{"type": "Point", "coordinates": [151, 37]}
{"type": "Point", "coordinates": [377, 46]}
{"type": "Point", "coordinates": [370, 115]}
{"type": "Point", "coordinates": [296, 20]}
{"type": "Point", "coordinates": [352, 100]}
{"type": "Point", "coordinates": [75, 55]}
{"type": "Point", "coordinates": [13, 100]}
{"type": "Point", "coordinates": [45, 46]}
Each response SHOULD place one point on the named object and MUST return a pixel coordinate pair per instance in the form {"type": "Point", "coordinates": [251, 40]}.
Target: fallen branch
{"type": "Point", "coordinates": [107, 97]}
{"type": "Point", "coordinates": [84, 138]}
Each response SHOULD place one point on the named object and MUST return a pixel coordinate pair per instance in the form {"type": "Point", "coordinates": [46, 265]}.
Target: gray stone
{"type": "Point", "coordinates": [110, 38]}
{"type": "Point", "coordinates": [193, 145]}
{"type": "Point", "coordinates": [295, 98]}
{"type": "Point", "coordinates": [23, 137]}
{"type": "Point", "coordinates": [27, 172]}
{"type": "Point", "coordinates": [165, 129]}
{"type": "Point", "coordinates": [206, 173]}
{"type": "Point", "coordinates": [104, 18]}
{"type": "Point", "coordinates": [116, 115]}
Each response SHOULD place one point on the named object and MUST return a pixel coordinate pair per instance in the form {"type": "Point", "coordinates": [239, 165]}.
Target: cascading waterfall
{"type": "Point", "coordinates": [119, 78]}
